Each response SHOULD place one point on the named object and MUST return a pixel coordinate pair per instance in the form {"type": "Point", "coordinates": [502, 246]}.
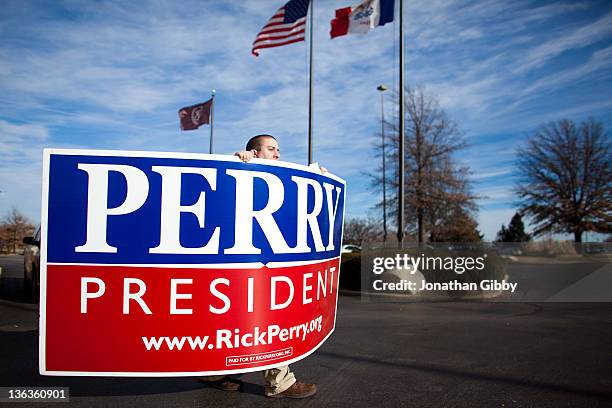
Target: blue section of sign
{"type": "Point", "coordinates": [133, 234]}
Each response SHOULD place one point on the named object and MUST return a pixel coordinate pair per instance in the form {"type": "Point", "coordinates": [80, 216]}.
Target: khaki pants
{"type": "Point", "coordinates": [277, 379]}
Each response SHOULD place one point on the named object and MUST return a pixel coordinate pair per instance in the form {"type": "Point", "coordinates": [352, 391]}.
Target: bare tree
{"type": "Point", "coordinates": [359, 230]}
{"type": "Point", "coordinates": [14, 227]}
{"type": "Point", "coordinates": [566, 178]}
{"type": "Point", "coordinates": [436, 186]}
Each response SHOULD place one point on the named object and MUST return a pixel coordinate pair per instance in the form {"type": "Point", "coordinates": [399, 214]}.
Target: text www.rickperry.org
{"type": "Point", "coordinates": [229, 339]}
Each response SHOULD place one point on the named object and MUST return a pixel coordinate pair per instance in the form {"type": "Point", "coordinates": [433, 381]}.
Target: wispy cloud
{"type": "Point", "coordinates": [113, 74]}
{"type": "Point", "coordinates": [492, 174]}
{"type": "Point", "coordinates": [578, 38]}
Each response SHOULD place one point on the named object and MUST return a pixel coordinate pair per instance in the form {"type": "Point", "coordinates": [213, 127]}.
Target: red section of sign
{"type": "Point", "coordinates": [181, 334]}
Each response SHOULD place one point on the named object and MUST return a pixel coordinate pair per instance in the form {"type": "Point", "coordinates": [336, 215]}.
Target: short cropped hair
{"type": "Point", "coordinates": [254, 143]}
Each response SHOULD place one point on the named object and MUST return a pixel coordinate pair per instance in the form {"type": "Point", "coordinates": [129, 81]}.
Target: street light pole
{"type": "Point", "coordinates": [382, 89]}
{"type": "Point", "coordinates": [401, 152]}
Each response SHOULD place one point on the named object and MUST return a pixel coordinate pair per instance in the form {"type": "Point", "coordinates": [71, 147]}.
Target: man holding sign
{"type": "Point", "coordinates": [280, 381]}
{"type": "Point", "coordinates": [159, 264]}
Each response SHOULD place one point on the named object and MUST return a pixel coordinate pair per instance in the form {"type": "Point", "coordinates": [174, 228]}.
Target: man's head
{"type": "Point", "coordinates": [265, 145]}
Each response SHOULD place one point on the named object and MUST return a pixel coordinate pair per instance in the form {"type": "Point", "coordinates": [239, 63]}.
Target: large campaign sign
{"type": "Point", "coordinates": [169, 264]}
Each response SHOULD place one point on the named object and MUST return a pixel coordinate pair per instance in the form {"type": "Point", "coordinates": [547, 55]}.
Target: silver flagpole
{"type": "Point", "coordinates": [310, 89]}
{"type": "Point", "coordinates": [400, 192]}
{"type": "Point", "coordinates": [212, 121]}
{"type": "Point", "coordinates": [382, 89]}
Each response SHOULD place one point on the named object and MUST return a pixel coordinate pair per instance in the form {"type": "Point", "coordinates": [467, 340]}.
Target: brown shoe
{"type": "Point", "coordinates": [297, 390]}
{"type": "Point", "coordinates": [224, 384]}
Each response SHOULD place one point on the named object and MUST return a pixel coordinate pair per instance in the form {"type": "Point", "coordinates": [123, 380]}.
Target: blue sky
{"type": "Point", "coordinates": [112, 75]}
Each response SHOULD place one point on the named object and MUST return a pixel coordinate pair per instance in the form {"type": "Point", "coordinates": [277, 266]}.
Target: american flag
{"type": "Point", "coordinates": [286, 26]}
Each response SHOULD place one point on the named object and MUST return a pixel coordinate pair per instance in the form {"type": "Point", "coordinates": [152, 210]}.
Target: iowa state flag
{"type": "Point", "coordinates": [359, 20]}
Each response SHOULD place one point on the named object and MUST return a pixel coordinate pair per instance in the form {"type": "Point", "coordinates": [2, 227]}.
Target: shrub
{"type": "Point", "coordinates": [549, 248]}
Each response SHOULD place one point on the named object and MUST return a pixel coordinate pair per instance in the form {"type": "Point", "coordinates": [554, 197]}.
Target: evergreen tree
{"type": "Point", "coordinates": [460, 227]}
{"type": "Point", "coordinates": [515, 231]}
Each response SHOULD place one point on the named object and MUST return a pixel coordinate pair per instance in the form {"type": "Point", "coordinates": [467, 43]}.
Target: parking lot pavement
{"type": "Point", "coordinates": [459, 354]}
